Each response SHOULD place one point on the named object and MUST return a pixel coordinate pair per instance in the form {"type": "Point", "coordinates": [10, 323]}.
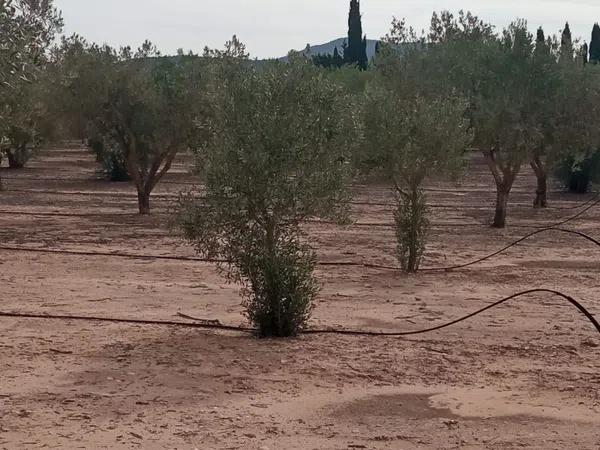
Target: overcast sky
{"type": "Point", "coordinates": [270, 28]}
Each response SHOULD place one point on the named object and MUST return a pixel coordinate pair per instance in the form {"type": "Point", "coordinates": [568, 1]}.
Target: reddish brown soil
{"type": "Point", "coordinates": [525, 375]}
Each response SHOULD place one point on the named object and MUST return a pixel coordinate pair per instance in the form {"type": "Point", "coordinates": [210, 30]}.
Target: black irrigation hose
{"type": "Point", "coordinates": [118, 195]}
{"type": "Point", "coordinates": [576, 216]}
{"type": "Point", "coordinates": [322, 264]}
{"type": "Point", "coordinates": [89, 180]}
{"type": "Point", "coordinates": [155, 214]}
{"type": "Point", "coordinates": [513, 244]}
{"type": "Point", "coordinates": [167, 196]}
{"type": "Point", "coordinates": [571, 300]}
{"type": "Point", "coordinates": [313, 331]}
{"type": "Point", "coordinates": [59, 214]}
{"type": "Point", "coordinates": [348, 264]}
{"type": "Point", "coordinates": [596, 201]}
{"type": "Point", "coordinates": [167, 258]}
{"type": "Point", "coordinates": [109, 254]}
{"type": "Point", "coordinates": [579, 205]}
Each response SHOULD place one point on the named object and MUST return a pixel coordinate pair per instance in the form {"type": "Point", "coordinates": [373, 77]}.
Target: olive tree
{"type": "Point", "coordinates": [507, 129]}
{"type": "Point", "coordinates": [413, 132]}
{"type": "Point", "coordinates": [566, 99]}
{"type": "Point", "coordinates": [142, 107]}
{"type": "Point", "coordinates": [30, 121]}
{"type": "Point", "coordinates": [27, 29]}
{"type": "Point", "coordinates": [503, 81]}
{"type": "Point", "coordinates": [512, 91]}
{"type": "Point", "coordinates": [578, 163]}
{"type": "Point", "coordinates": [278, 152]}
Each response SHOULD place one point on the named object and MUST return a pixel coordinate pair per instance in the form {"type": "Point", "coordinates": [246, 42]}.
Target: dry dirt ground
{"type": "Point", "coordinates": [525, 375]}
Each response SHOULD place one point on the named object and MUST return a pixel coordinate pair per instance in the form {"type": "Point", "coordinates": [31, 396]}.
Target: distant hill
{"type": "Point", "coordinates": [328, 48]}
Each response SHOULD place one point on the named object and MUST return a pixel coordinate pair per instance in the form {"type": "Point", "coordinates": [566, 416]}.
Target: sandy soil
{"type": "Point", "coordinates": [526, 375]}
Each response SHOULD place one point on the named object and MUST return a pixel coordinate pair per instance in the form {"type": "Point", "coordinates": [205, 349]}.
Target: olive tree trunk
{"type": "Point", "coordinates": [17, 158]}
{"type": "Point", "coordinates": [502, 195]}
{"type": "Point", "coordinates": [411, 226]}
{"type": "Point", "coordinates": [541, 193]}
{"type": "Point", "coordinates": [146, 177]}
{"type": "Point", "coordinates": [505, 173]}
{"type": "Point", "coordinates": [144, 202]}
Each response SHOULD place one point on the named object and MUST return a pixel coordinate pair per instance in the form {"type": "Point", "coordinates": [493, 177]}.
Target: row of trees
{"type": "Point", "coordinates": [277, 143]}
{"type": "Point", "coordinates": [285, 140]}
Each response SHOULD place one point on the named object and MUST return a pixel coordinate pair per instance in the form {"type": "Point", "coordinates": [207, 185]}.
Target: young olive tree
{"type": "Point", "coordinates": [414, 139]}
{"type": "Point", "coordinates": [278, 152]}
{"type": "Point", "coordinates": [416, 128]}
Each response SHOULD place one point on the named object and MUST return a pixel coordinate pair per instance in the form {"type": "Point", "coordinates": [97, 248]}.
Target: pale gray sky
{"type": "Point", "coordinates": [270, 28]}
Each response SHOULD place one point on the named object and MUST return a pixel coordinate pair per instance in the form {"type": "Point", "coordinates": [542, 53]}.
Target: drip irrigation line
{"type": "Point", "coordinates": [553, 227]}
{"type": "Point", "coordinates": [167, 196]}
{"type": "Point", "coordinates": [169, 258]}
{"type": "Point", "coordinates": [570, 299]}
{"type": "Point", "coordinates": [163, 213]}
{"type": "Point", "coordinates": [310, 331]}
{"type": "Point", "coordinates": [109, 254]}
{"type": "Point", "coordinates": [128, 321]}
{"type": "Point", "coordinates": [595, 196]}
{"type": "Point", "coordinates": [59, 214]}
{"type": "Point", "coordinates": [595, 201]}
{"type": "Point", "coordinates": [578, 215]}
{"type": "Point", "coordinates": [119, 195]}
{"type": "Point", "coordinates": [91, 180]}
{"type": "Point", "coordinates": [321, 264]}
{"type": "Point", "coordinates": [513, 244]}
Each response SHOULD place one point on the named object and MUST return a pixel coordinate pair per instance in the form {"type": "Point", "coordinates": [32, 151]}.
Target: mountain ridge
{"type": "Point", "coordinates": [328, 48]}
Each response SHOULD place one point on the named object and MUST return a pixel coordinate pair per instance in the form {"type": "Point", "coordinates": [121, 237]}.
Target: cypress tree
{"type": "Point", "coordinates": [541, 38]}
{"type": "Point", "coordinates": [540, 42]}
{"type": "Point", "coordinates": [356, 53]}
{"type": "Point", "coordinates": [566, 43]}
{"type": "Point", "coordinates": [595, 45]}
{"type": "Point", "coordinates": [566, 39]}
{"type": "Point", "coordinates": [584, 53]}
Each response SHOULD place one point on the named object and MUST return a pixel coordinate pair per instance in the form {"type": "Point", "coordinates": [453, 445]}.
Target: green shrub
{"type": "Point", "coordinates": [577, 173]}
{"type": "Point", "coordinates": [281, 289]}
{"type": "Point", "coordinates": [111, 158]}
{"type": "Point", "coordinates": [281, 138]}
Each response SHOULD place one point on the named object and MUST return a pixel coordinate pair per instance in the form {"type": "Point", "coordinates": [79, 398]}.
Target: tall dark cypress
{"type": "Point", "coordinates": [356, 53]}
{"type": "Point", "coordinates": [566, 44]}
{"type": "Point", "coordinates": [541, 38]}
{"type": "Point", "coordinates": [595, 45]}
{"type": "Point", "coordinates": [540, 42]}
